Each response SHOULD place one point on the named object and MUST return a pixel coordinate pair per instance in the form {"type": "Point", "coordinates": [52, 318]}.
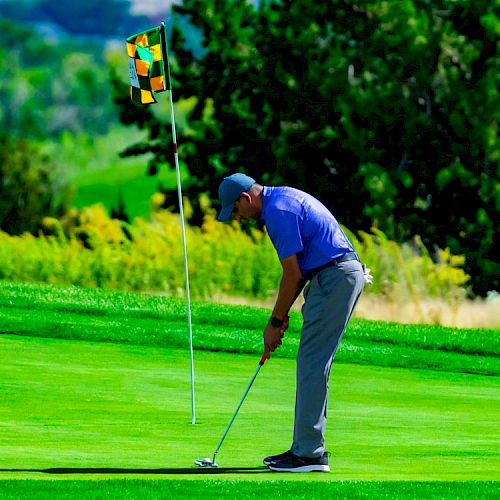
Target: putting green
{"type": "Point", "coordinates": [83, 410]}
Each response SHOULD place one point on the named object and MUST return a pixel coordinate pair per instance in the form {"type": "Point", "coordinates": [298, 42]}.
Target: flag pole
{"type": "Point", "coordinates": [181, 210]}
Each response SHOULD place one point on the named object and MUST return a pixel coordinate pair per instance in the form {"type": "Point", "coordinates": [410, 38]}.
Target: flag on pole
{"type": "Point", "coordinates": [147, 66]}
{"type": "Point", "coordinates": [149, 73]}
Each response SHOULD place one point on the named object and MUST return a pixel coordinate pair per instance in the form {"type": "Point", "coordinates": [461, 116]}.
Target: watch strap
{"type": "Point", "coordinates": [276, 322]}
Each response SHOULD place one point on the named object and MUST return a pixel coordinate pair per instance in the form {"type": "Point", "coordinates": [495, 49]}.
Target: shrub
{"type": "Point", "coordinates": [88, 248]}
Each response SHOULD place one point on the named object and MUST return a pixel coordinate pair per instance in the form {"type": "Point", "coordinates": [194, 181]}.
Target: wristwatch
{"type": "Point", "coordinates": [276, 322]}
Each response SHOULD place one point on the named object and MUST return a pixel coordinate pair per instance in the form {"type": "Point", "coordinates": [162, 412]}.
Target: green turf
{"type": "Point", "coordinates": [75, 409]}
{"type": "Point", "coordinates": [133, 489]}
{"type": "Point", "coordinates": [95, 386]}
{"type": "Point", "coordinates": [97, 173]}
{"type": "Point", "coordinates": [131, 185]}
{"type": "Point", "coordinates": [99, 315]}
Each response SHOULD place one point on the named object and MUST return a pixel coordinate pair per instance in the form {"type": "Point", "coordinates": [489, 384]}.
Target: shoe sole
{"type": "Point", "coordinates": [304, 468]}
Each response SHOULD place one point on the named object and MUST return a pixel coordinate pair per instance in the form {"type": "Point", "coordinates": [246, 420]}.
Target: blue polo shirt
{"type": "Point", "coordinates": [298, 223]}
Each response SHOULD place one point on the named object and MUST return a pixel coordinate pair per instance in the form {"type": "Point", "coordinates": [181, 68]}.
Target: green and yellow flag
{"type": "Point", "coordinates": [147, 65]}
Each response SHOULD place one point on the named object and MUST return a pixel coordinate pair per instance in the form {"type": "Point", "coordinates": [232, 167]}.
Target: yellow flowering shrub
{"type": "Point", "coordinates": [90, 249]}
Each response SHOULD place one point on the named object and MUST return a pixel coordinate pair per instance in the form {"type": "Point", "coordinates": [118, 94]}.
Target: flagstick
{"type": "Point", "coordinates": [183, 229]}
{"type": "Point", "coordinates": [186, 271]}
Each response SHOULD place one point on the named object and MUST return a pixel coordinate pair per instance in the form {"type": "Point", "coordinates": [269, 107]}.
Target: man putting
{"type": "Point", "coordinates": [312, 248]}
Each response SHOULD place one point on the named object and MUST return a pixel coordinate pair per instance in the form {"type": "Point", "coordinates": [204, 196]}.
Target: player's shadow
{"type": "Point", "coordinates": [118, 470]}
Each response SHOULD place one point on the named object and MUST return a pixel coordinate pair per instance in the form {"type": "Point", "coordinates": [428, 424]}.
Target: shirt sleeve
{"type": "Point", "coordinates": [284, 231]}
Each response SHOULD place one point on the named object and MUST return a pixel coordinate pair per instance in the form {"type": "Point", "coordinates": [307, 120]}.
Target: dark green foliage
{"type": "Point", "coordinates": [29, 189]}
{"type": "Point", "coordinates": [386, 111]}
{"type": "Point", "coordinates": [120, 211]}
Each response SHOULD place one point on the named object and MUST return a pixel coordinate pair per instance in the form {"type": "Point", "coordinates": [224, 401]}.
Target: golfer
{"type": "Point", "coordinates": [312, 249]}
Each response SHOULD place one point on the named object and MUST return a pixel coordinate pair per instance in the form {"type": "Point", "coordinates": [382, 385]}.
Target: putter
{"type": "Point", "coordinates": [206, 462]}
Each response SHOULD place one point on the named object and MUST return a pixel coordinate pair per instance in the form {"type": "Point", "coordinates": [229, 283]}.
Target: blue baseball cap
{"type": "Point", "coordinates": [230, 190]}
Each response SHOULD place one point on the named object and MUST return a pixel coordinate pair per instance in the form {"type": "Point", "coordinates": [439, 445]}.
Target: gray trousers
{"type": "Point", "coordinates": [330, 298]}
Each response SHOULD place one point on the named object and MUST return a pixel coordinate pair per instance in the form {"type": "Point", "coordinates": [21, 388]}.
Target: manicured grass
{"type": "Point", "coordinates": [100, 315]}
{"type": "Point", "coordinates": [96, 403]}
{"type": "Point", "coordinates": [132, 489]}
{"type": "Point", "coordinates": [87, 410]}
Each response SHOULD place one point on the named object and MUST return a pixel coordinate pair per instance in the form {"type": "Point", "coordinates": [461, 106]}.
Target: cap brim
{"type": "Point", "coordinates": [226, 213]}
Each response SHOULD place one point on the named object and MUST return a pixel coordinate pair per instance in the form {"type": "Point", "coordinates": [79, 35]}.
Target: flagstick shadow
{"type": "Point", "coordinates": [112, 470]}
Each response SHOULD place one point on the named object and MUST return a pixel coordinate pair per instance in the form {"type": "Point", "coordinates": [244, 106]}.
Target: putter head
{"type": "Point", "coordinates": [205, 462]}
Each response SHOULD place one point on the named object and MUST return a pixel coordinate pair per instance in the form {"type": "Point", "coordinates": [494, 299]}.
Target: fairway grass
{"type": "Point", "coordinates": [83, 410]}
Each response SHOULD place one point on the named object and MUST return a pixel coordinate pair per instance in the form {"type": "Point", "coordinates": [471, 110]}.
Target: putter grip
{"type": "Point", "coordinates": [263, 359]}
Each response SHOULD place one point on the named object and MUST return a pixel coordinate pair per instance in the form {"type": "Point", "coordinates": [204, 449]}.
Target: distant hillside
{"type": "Point", "coordinates": [152, 7]}
{"type": "Point", "coordinates": [106, 19]}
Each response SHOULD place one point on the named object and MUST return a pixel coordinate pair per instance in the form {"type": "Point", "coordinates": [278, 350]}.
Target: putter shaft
{"type": "Point", "coordinates": [261, 362]}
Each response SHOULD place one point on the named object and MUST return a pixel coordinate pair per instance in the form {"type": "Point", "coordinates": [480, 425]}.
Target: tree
{"type": "Point", "coordinates": [29, 188]}
{"type": "Point", "coordinates": [386, 111]}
